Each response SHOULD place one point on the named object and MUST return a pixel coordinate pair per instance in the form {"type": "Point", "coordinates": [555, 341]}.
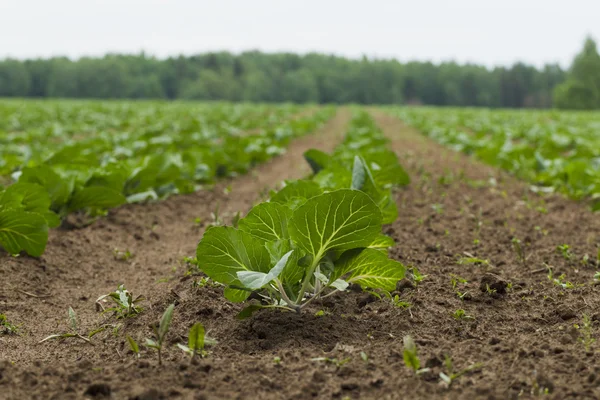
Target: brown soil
{"type": "Point", "coordinates": [523, 334]}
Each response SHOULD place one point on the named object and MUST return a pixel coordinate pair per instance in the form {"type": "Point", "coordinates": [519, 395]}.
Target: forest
{"type": "Point", "coordinates": [260, 77]}
{"type": "Point", "coordinates": [312, 78]}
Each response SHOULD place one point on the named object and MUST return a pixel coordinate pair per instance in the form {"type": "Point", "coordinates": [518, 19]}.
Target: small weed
{"type": "Point", "coordinates": [398, 302]}
{"type": "Point", "coordinates": [518, 248]}
{"type": "Point", "coordinates": [160, 333]}
{"type": "Point", "coordinates": [537, 389]}
{"type": "Point", "coordinates": [74, 330]}
{"type": "Point", "coordinates": [334, 361]}
{"type": "Point", "coordinates": [586, 333]}
{"type": "Point", "coordinates": [455, 280]}
{"type": "Point", "coordinates": [472, 260]}
{"type": "Point", "coordinates": [417, 276]}
{"type": "Point", "coordinates": [124, 303]}
{"type": "Point", "coordinates": [461, 314]}
{"type": "Point", "coordinates": [450, 376]}
{"type": "Point", "coordinates": [565, 251]}
{"type": "Point", "coordinates": [133, 345]}
{"type": "Point", "coordinates": [122, 255]}
{"type": "Point", "coordinates": [197, 341]}
{"type": "Point", "coordinates": [6, 327]}
{"type": "Point", "coordinates": [277, 360]}
{"type": "Point", "coordinates": [489, 290]}
{"type": "Point", "coordinates": [204, 281]}
{"type": "Point", "coordinates": [364, 357]}
{"type": "Point", "coordinates": [462, 295]}
{"type": "Point", "coordinates": [411, 358]}
{"type": "Point", "coordinates": [438, 208]}
{"type": "Point", "coordinates": [216, 218]}
{"type": "Point", "coordinates": [561, 280]}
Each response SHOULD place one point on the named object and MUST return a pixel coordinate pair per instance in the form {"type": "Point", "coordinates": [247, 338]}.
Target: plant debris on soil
{"type": "Point", "coordinates": [475, 239]}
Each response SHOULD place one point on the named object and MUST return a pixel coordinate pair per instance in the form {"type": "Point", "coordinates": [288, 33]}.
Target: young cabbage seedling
{"type": "Point", "coordinates": [74, 331]}
{"type": "Point", "coordinates": [160, 333]}
{"type": "Point", "coordinates": [324, 243]}
{"type": "Point", "coordinates": [125, 304]}
{"type": "Point", "coordinates": [316, 236]}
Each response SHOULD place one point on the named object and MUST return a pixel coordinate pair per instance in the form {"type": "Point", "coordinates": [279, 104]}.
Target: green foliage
{"type": "Point", "coordinates": [581, 90]}
{"type": "Point", "coordinates": [417, 276]}
{"type": "Point", "coordinates": [560, 281]}
{"type": "Point", "coordinates": [398, 302]}
{"type": "Point", "coordinates": [25, 218]}
{"type": "Point", "coordinates": [74, 330]}
{"type": "Point", "coordinates": [450, 375]}
{"type": "Point", "coordinates": [551, 150]}
{"type": "Point", "coordinates": [160, 332]}
{"type": "Point", "coordinates": [122, 255]}
{"type": "Point", "coordinates": [196, 341]}
{"type": "Point", "coordinates": [6, 327]}
{"type": "Point", "coordinates": [461, 314]}
{"type": "Point", "coordinates": [565, 251]}
{"type": "Point", "coordinates": [133, 345]}
{"type": "Point", "coordinates": [125, 305]}
{"type": "Point", "coordinates": [411, 358]}
{"type": "Point", "coordinates": [587, 337]}
{"type": "Point", "coordinates": [337, 362]}
{"type": "Point", "coordinates": [314, 234]}
{"type": "Point", "coordinates": [67, 157]}
{"type": "Point", "coordinates": [283, 77]}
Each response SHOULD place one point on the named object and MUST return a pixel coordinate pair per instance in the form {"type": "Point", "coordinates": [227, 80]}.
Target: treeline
{"type": "Point", "coordinates": [261, 77]}
{"type": "Point", "coordinates": [581, 90]}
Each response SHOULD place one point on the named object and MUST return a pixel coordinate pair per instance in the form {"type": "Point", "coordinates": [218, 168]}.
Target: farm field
{"type": "Point", "coordinates": [494, 282]}
{"type": "Point", "coordinates": [553, 150]}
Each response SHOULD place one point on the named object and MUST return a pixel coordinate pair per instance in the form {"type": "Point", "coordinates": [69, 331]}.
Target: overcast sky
{"type": "Point", "coordinates": [490, 32]}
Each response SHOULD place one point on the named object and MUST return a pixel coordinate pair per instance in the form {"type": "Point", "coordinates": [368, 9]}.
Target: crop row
{"type": "Point", "coordinates": [553, 150]}
{"type": "Point", "coordinates": [148, 154]}
{"type": "Point", "coordinates": [315, 234]}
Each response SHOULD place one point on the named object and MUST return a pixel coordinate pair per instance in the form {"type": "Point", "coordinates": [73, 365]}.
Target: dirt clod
{"type": "Point", "coordinates": [98, 390]}
{"type": "Point", "coordinates": [492, 283]}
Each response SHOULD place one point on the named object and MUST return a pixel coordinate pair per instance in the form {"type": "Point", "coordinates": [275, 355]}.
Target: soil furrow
{"type": "Point", "coordinates": [458, 219]}
{"type": "Point", "coordinates": [80, 265]}
{"type": "Point", "coordinates": [458, 212]}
